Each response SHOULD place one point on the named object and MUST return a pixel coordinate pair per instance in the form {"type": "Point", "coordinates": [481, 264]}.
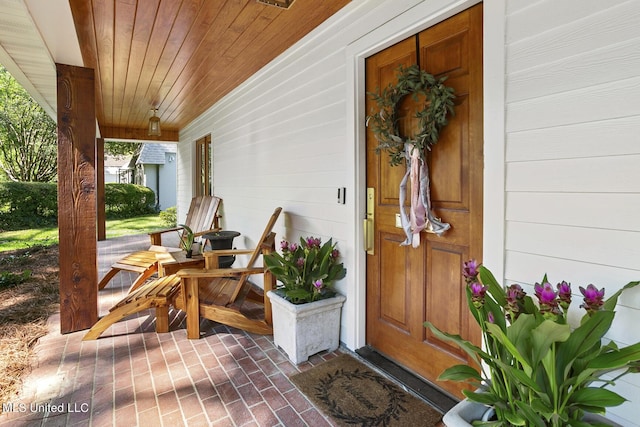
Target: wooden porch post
{"type": "Point", "coordinates": [77, 198]}
{"type": "Point", "coordinates": [100, 209]}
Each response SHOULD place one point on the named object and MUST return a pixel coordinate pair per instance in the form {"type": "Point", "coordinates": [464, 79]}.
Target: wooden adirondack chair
{"type": "Point", "coordinates": [202, 218]}
{"type": "Point", "coordinates": [158, 294]}
{"type": "Point", "coordinates": [219, 294]}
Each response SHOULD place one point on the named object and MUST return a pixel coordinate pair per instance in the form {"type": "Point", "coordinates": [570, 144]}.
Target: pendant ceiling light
{"type": "Point", "coordinates": [154, 124]}
{"type": "Point", "coordinates": [284, 4]}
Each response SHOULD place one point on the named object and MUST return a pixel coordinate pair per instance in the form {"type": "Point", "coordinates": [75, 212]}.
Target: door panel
{"type": "Point", "coordinates": [447, 156]}
{"type": "Point", "coordinates": [445, 261]}
{"type": "Point", "coordinates": [382, 73]}
{"type": "Point", "coordinates": [394, 289]}
{"type": "Point", "coordinates": [405, 285]}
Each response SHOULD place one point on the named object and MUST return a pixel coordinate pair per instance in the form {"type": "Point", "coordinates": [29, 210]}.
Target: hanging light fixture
{"type": "Point", "coordinates": [284, 4]}
{"type": "Point", "coordinates": [154, 124]}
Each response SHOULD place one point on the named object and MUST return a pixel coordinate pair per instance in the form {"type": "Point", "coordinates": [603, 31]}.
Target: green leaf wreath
{"type": "Point", "coordinates": [438, 105]}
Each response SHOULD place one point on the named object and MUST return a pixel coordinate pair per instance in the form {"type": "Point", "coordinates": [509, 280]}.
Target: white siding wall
{"type": "Point", "coordinates": [185, 160]}
{"type": "Point", "coordinates": [293, 133]}
{"type": "Point", "coordinates": [279, 141]}
{"type": "Point", "coordinates": [286, 138]}
{"type": "Point", "coordinates": [572, 154]}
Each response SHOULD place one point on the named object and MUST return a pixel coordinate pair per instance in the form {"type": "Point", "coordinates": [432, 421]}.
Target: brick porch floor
{"type": "Point", "coordinates": [132, 376]}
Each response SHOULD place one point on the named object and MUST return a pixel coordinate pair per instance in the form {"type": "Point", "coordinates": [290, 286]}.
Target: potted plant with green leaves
{"type": "Point", "coordinates": [306, 308]}
{"type": "Point", "coordinates": [535, 368]}
{"type": "Point", "coordinates": [187, 239]}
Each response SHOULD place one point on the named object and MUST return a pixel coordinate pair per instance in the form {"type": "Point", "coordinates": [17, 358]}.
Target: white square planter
{"type": "Point", "coordinates": [302, 330]}
{"type": "Point", "coordinates": [465, 412]}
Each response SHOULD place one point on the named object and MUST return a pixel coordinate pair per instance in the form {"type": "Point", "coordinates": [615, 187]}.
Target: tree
{"type": "Point", "coordinates": [28, 136]}
{"type": "Point", "coordinates": [120, 148]}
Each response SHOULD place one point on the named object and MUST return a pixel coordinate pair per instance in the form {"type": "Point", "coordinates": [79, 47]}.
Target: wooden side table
{"type": "Point", "coordinates": [172, 262]}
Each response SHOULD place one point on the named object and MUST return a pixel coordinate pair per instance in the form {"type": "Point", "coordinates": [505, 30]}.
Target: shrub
{"type": "Point", "coordinates": [169, 216]}
{"type": "Point", "coordinates": [28, 205]}
{"type": "Point", "coordinates": [35, 204]}
{"type": "Point", "coordinates": [128, 200]}
{"type": "Point", "coordinates": [8, 279]}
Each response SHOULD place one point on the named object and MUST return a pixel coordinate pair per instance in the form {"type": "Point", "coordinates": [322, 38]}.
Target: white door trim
{"type": "Point", "coordinates": [405, 24]}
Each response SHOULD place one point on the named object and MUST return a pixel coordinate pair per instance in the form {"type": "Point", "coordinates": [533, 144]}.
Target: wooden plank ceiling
{"type": "Point", "coordinates": [180, 56]}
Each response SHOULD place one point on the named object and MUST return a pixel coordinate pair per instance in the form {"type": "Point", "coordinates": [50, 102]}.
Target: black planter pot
{"type": "Point", "coordinates": [222, 240]}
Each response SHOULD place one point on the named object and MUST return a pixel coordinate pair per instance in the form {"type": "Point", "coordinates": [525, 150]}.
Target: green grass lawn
{"type": "Point", "coordinates": [11, 240]}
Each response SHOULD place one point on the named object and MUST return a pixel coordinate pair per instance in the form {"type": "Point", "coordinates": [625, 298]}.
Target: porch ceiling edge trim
{"type": "Point", "coordinates": [132, 134]}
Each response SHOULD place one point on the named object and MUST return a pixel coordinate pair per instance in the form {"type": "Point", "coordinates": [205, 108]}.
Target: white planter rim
{"type": "Point", "coordinates": [337, 299]}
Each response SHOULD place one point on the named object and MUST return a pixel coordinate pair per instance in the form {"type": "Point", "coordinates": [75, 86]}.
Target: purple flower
{"type": "Point", "coordinates": [318, 284]}
{"type": "Point", "coordinates": [477, 290]}
{"type": "Point", "coordinates": [335, 254]}
{"type": "Point", "coordinates": [515, 305]}
{"type": "Point", "coordinates": [545, 293]}
{"type": "Point", "coordinates": [564, 295]}
{"type": "Point", "coordinates": [490, 318]}
{"type": "Point", "coordinates": [478, 293]}
{"type": "Point", "coordinates": [593, 298]}
{"type": "Point", "coordinates": [548, 302]}
{"type": "Point", "coordinates": [284, 245]}
{"type": "Point", "coordinates": [514, 293]}
{"type": "Point", "coordinates": [300, 262]}
{"type": "Point", "coordinates": [293, 247]}
{"type": "Point", "coordinates": [470, 270]}
{"type": "Point", "coordinates": [313, 242]}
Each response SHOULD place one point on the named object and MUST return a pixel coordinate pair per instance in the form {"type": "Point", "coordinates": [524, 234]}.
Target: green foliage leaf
{"type": "Point", "coordinates": [518, 376]}
{"type": "Point", "coordinates": [28, 136]}
{"type": "Point", "coordinates": [484, 398]}
{"type": "Point", "coordinates": [118, 148]}
{"type": "Point", "coordinates": [169, 217]}
{"type": "Point", "coordinates": [545, 335]}
{"type": "Point", "coordinates": [616, 359]}
{"type": "Point", "coordinates": [128, 200]}
{"type": "Point", "coordinates": [186, 237]}
{"type": "Point", "coordinates": [525, 414]}
{"type": "Point", "coordinates": [520, 332]}
{"type": "Point", "coordinates": [583, 338]}
{"type": "Point", "coordinates": [500, 336]}
{"type": "Point", "coordinates": [384, 124]}
{"type": "Point", "coordinates": [496, 291]}
{"type": "Point", "coordinates": [474, 351]}
{"type": "Point", "coordinates": [460, 373]}
{"type": "Point", "coordinates": [596, 397]}
{"type": "Point", "coordinates": [28, 205]}
{"type": "Point", "coordinates": [300, 266]}
{"type": "Point", "coordinates": [8, 279]}
{"type": "Point", "coordinates": [610, 303]}
{"type": "Point", "coordinates": [540, 370]}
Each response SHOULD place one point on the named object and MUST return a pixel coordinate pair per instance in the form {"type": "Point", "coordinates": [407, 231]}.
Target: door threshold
{"type": "Point", "coordinates": [427, 391]}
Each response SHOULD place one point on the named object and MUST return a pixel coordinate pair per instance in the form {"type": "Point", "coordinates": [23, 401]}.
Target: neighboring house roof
{"type": "Point", "coordinates": [120, 162]}
{"type": "Point", "coordinates": [155, 153]}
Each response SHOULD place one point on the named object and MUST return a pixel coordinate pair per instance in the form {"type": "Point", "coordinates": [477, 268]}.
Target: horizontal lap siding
{"type": "Point", "coordinates": [280, 138]}
{"type": "Point", "coordinates": [286, 149]}
{"type": "Point", "coordinates": [573, 150]}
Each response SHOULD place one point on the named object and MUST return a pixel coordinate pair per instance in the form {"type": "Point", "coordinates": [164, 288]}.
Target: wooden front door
{"type": "Point", "coordinates": [407, 286]}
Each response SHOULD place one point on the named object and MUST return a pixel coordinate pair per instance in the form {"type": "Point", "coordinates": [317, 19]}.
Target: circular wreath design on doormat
{"type": "Point", "coordinates": [374, 403]}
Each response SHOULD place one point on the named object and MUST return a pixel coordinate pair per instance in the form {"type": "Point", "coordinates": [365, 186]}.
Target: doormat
{"type": "Point", "coordinates": [354, 395]}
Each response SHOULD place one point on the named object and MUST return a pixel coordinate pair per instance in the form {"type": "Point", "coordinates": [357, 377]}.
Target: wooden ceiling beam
{"type": "Point", "coordinates": [133, 134]}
